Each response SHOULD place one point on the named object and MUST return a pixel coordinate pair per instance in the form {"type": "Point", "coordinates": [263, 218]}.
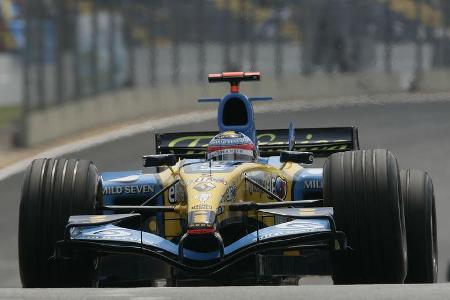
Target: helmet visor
{"type": "Point", "coordinates": [233, 154]}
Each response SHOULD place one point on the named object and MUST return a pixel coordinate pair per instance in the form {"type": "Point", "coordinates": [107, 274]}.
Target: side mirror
{"type": "Point", "coordinates": [297, 157]}
{"type": "Point", "coordinates": [159, 160]}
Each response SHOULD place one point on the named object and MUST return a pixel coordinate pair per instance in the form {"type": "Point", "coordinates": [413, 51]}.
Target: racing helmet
{"type": "Point", "coordinates": [231, 146]}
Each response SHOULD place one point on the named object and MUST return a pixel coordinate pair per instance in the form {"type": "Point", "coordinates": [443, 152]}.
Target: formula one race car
{"type": "Point", "coordinates": [237, 206]}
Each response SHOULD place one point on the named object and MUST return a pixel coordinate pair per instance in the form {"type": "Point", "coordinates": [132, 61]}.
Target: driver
{"type": "Point", "coordinates": [231, 146]}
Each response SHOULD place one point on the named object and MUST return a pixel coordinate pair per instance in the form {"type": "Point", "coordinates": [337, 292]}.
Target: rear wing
{"type": "Point", "coordinates": [321, 141]}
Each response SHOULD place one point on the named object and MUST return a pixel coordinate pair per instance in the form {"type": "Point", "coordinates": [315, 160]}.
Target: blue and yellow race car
{"type": "Point", "coordinates": [238, 206]}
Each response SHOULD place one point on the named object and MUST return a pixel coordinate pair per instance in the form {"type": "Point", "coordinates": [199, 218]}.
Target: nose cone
{"type": "Point", "coordinates": [201, 222]}
{"type": "Point", "coordinates": [204, 200]}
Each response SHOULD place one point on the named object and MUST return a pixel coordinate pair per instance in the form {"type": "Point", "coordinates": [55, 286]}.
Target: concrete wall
{"type": "Point", "coordinates": [10, 79]}
{"type": "Point", "coordinates": [125, 105]}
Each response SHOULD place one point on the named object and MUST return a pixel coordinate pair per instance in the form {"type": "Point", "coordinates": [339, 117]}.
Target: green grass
{"type": "Point", "coordinates": [8, 114]}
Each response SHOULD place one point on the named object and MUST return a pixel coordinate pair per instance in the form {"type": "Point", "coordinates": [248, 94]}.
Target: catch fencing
{"type": "Point", "coordinates": [77, 49]}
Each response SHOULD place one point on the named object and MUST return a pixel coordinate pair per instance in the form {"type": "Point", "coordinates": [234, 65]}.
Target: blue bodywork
{"type": "Point", "coordinates": [133, 188]}
{"type": "Point", "coordinates": [130, 188]}
{"type": "Point", "coordinates": [307, 184]}
{"type": "Point", "coordinates": [247, 128]}
{"type": "Point", "coordinates": [113, 233]}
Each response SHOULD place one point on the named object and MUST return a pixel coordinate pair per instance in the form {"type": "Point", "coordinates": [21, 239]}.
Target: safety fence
{"type": "Point", "coordinates": [76, 49]}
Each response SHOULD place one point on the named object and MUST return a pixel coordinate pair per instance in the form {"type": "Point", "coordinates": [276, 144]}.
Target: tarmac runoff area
{"type": "Point", "coordinates": [415, 127]}
{"type": "Point", "coordinates": [395, 292]}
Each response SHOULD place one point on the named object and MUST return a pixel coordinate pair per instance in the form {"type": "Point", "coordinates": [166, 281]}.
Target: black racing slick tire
{"type": "Point", "coordinates": [420, 218]}
{"type": "Point", "coordinates": [363, 187]}
{"type": "Point", "coordinates": [54, 189]}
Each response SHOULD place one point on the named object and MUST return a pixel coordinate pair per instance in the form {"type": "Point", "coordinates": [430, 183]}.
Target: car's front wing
{"type": "Point", "coordinates": [106, 234]}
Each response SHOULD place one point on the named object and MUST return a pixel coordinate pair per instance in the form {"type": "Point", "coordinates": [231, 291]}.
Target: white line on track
{"type": "Point", "coordinates": [157, 124]}
{"type": "Point", "coordinates": [152, 125]}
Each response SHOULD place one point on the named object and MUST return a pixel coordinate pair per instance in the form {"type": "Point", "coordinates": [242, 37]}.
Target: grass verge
{"type": "Point", "coordinates": [8, 114]}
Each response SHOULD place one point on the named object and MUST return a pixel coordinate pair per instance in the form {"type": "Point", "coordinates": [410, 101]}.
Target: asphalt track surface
{"type": "Point", "coordinates": [417, 133]}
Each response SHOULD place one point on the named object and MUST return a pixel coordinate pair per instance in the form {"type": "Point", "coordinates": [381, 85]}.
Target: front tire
{"type": "Point", "coordinates": [363, 188]}
{"type": "Point", "coordinates": [420, 217]}
{"type": "Point", "coordinates": [53, 190]}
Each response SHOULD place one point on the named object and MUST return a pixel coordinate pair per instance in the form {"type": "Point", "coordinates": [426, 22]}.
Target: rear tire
{"type": "Point", "coordinates": [54, 189]}
{"type": "Point", "coordinates": [363, 188]}
{"type": "Point", "coordinates": [420, 218]}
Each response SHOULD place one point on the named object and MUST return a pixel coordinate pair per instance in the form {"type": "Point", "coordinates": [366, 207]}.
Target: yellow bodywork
{"type": "Point", "coordinates": [210, 187]}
